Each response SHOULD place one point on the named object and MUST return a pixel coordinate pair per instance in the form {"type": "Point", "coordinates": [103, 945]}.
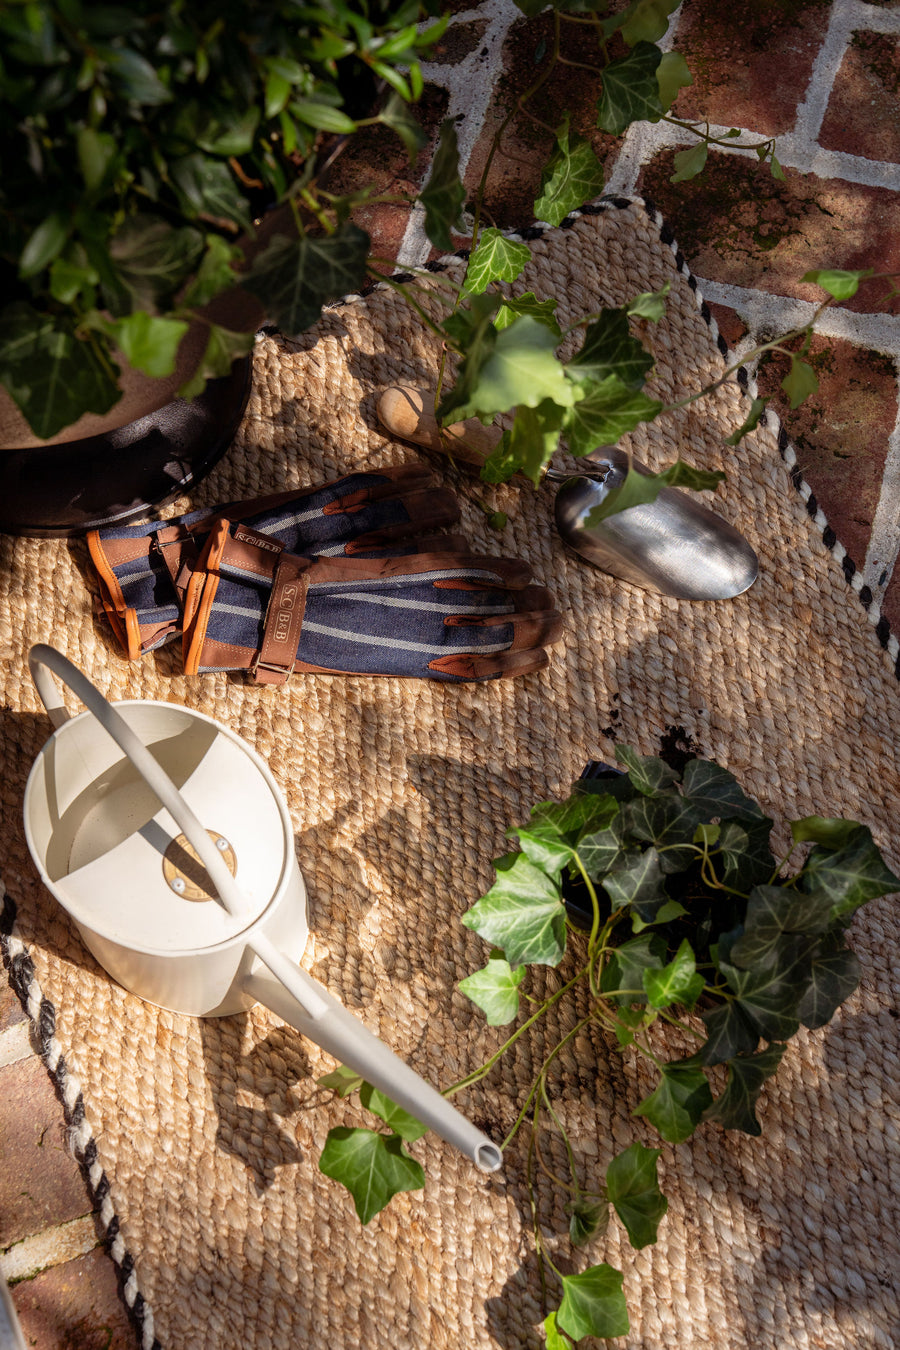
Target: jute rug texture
{"type": "Point", "coordinates": [202, 1137]}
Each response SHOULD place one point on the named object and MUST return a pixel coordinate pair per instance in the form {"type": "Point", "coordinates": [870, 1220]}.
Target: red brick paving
{"type": "Point", "coordinates": [741, 226]}
{"type": "Point", "coordinates": [750, 65]}
{"type": "Point", "coordinates": [840, 433]}
{"type": "Point", "coordinates": [45, 1186]}
{"type": "Point", "coordinates": [75, 1306]}
{"type": "Point", "coordinates": [862, 116]}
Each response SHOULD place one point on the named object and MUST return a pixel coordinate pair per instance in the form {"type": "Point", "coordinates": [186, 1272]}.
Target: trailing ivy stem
{"type": "Point", "coordinates": [729, 141]}
{"type": "Point", "coordinates": [607, 1015]}
{"type": "Point", "coordinates": [775, 875]}
{"type": "Point", "coordinates": [423, 315]}
{"type": "Point", "coordinates": [482, 184]}
{"type": "Point", "coordinates": [677, 1022]}
{"type": "Point", "coordinates": [542, 1072]}
{"type": "Point", "coordinates": [478, 1074]}
{"type": "Point", "coordinates": [573, 1171]}
{"type": "Point", "coordinates": [542, 1252]}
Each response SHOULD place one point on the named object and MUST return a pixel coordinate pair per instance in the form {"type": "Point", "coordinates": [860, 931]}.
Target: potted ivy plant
{"type": "Point", "coordinates": [655, 891]}
{"type": "Point", "coordinates": [140, 147]}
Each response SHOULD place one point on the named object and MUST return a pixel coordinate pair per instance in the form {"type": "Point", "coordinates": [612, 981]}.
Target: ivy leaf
{"type": "Point", "coordinates": [52, 375]}
{"type": "Point", "coordinates": [207, 187]}
{"type": "Point", "coordinates": [840, 284]}
{"type": "Point", "coordinates": [608, 411]}
{"type": "Point", "coordinates": [528, 445]}
{"type": "Point", "coordinates": [639, 883]}
{"type": "Point", "coordinates": [689, 163]}
{"type": "Point", "coordinates": [640, 487]}
{"type": "Point", "coordinates": [496, 258]}
{"type": "Point", "coordinates": [623, 974]}
{"type": "Point", "coordinates": [647, 20]}
{"type": "Point", "coordinates": [342, 1080]}
{"type": "Point", "coordinates": [672, 74]}
{"type": "Point", "coordinates": [97, 152]}
{"type": "Point", "coordinates": [152, 260]}
{"type": "Point", "coordinates": [593, 1304]}
{"type": "Point", "coordinates": [729, 1032]}
{"type": "Point", "coordinates": [147, 343]}
{"type": "Point", "coordinates": [834, 833]}
{"type": "Point", "coordinates": [555, 1340]}
{"type": "Point", "coordinates": [43, 245]}
{"type": "Point", "coordinates": [400, 1121]}
{"type": "Point", "coordinates": [634, 1191]}
{"type": "Point", "coordinates": [135, 76]}
{"type": "Point", "coordinates": [542, 310]}
{"type": "Point", "coordinates": [443, 195]}
{"type": "Point", "coordinates": [677, 1105]}
{"type": "Point", "coordinates": [800, 381]}
{"type": "Point", "coordinates": [649, 304]}
{"type": "Point", "coordinates": [69, 279]}
{"type": "Point", "coordinates": [667, 822]}
{"type": "Point", "coordinates": [678, 982]}
{"type": "Point", "coordinates": [603, 850]}
{"type": "Point", "coordinates": [630, 90]}
{"type": "Point", "coordinates": [773, 911]}
{"type": "Point", "coordinates": [735, 1109]}
{"type": "Point", "coordinates": [522, 369]}
{"type": "Point", "coordinates": [582, 811]}
{"type": "Point", "coordinates": [472, 328]}
{"type": "Point", "coordinates": [609, 348]}
{"type": "Point", "coordinates": [322, 117]}
{"type": "Point", "coordinates": [851, 875]}
{"type": "Point", "coordinates": [750, 423]}
{"type": "Point", "coordinates": [572, 176]}
{"type": "Point", "coordinates": [397, 115]}
{"type": "Point", "coordinates": [222, 349]}
{"type": "Point", "coordinates": [495, 989]}
{"type": "Point", "coordinates": [215, 274]}
{"type": "Point", "coordinates": [373, 1167]}
{"type": "Point", "coordinates": [768, 995]}
{"type": "Point", "coordinates": [588, 1218]}
{"type": "Point", "coordinates": [522, 913]}
{"type": "Point", "coordinates": [648, 773]}
{"type": "Point", "coordinates": [716, 792]}
{"type": "Point", "coordinates": [294, 277]}
{"type": "Point", "coordinates": [743, 857]}
{"type": "Point", "coordinates": [834, 976]}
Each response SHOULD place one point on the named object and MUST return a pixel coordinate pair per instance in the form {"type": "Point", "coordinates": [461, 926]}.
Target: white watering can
{"type": "Point", "coordinates": [113, 812]}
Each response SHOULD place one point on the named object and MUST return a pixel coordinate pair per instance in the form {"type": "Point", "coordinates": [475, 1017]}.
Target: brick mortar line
{"type": "Point", "coordinates": [50, 1247]}
{"type": "Point", "coordinates": [15, 1045]}
{"type": "Point", "coordinates": [766, 312]}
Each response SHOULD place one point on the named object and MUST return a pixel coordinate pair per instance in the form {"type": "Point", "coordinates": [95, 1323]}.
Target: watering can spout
{"type": "Point", "coordinates": [305, 1004]}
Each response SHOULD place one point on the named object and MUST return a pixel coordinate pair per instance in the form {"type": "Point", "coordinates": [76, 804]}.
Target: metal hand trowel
{"type": "Point", "coordinates": [168, 842]}
{"type": "Point", "coordinates": [672, 545]}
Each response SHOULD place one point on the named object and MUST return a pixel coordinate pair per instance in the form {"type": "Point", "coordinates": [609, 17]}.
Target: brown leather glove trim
{"type": "Point", "coordinates": [283, 622]}
{"type": "Point", "coordinates": [111, 596]}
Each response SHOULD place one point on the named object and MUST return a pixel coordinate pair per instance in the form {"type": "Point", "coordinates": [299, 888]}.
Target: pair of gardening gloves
{"type": "Point", "coordinates": [357, 576]}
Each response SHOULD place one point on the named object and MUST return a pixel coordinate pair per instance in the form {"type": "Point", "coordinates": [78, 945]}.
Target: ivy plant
{"type": "Point", "coordinates": [657, 895]}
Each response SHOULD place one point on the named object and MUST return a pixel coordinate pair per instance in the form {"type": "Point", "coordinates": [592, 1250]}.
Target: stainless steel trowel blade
{"type": "Point", "coordinates": [674, 545]}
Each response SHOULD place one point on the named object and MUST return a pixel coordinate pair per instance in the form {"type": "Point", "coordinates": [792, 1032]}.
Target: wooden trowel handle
{"type": "Point", "coordinates": [409, 414]}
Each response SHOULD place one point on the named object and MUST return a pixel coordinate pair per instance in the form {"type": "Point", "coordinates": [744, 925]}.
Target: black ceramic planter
{"type": "Point", "coordinates": [86, 484]}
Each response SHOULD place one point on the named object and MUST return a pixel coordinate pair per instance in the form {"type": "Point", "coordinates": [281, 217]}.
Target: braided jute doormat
{"type": "Point", "coordinates": [201, 1139]}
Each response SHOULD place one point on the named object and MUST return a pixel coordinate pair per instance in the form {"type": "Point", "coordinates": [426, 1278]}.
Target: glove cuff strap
{"type": "Point", "coordinates": [283, 623]}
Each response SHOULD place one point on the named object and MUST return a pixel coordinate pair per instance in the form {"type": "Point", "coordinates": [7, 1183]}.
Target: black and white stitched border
{"type": "Point", "coordinates": [42, 1014]}
{"type": "Point", "coordinates": [747, 383]}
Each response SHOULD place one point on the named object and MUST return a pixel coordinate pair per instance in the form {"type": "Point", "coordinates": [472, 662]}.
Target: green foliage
{"type": "Point", "coordinates": [373, 1167]}
{"type": "Point", "coordinates": [692, 921]}
{"type": "Point", "coordinates": [443, 195]}
{"type": "Point", "coordinates": [572, 176]}
{"type": "Point", "coordinates": [138, 145]}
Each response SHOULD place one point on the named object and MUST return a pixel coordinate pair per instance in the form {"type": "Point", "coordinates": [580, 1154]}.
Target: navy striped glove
{"type": "Point", "coordinates": [448, 615]}
{"type": "Point", "coordinates": [144, 571]}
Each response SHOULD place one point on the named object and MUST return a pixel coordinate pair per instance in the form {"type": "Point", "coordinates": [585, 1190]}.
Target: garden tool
{"type": "Point", "coordinates": [144, 570]}
{"type": "Point", "coordinates": [448, 615]}
{"type": "Point", "coordinates": [140, 817]}
{"type": "Point", "coordinates": [673, 545]}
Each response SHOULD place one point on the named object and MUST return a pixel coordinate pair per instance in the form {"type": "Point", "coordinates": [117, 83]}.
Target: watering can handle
{"type": "Point", "coordinates": [291, 993]}
{"type": "Point", "coordinates": [42, 660]}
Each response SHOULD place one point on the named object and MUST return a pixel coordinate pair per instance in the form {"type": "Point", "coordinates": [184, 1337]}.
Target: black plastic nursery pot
{"type": "Point", "coordinates": [74, 486]}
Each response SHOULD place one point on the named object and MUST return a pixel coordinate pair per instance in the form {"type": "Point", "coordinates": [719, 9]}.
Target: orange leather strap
{"type": "Point", "coordinates": [284, 621]}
